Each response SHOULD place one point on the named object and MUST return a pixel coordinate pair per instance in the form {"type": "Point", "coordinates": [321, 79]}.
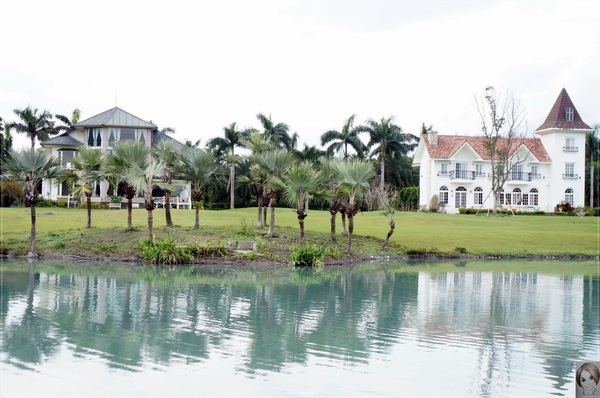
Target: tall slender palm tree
{"type": "Point", "coordinates": [68, 124]}
{"type": "Point", "coordinates": [30, 168]}
{"type": "Point", "coordinates": [387, 139]}
{"type": "Point", "coordinates": [277, 133]}
{"type": "Point", "coordinates": [86, 171]}
{"type": "Point", "coordinates": [309, 153]}
{"type": "Point", "coordinates": [35, 124]}
{"type": "Point", "coordinates": [168, 152]}
{"type": "Point", "coordinates": [5, 140]}
{"type": "Point", "coordinates": [226, 145]}
{"type": "Point", "coordinates": [143, 180]}
{"type": "Point", "coordinates": [199, 168]}
{"type": "Point", "coordinates": [339, 141]}
{"type": "Point", "coordinates": [117, 165]}
{"type": "Point", "coordinates": [275, 163]}
{"type": "Point", "coordinates": [299, 185]}
{"type": "Point", "coordinates": [354, 178]}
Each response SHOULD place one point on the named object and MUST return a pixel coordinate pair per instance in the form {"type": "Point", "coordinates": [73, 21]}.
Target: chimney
{"type": "Point", "coordinates": [433, 138]}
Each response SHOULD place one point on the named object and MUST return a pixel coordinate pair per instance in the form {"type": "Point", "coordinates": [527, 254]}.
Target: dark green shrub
{"type": "Point", "coordinates": [163, 251]}
{"type": "Point", "coordinates": [307, 255]}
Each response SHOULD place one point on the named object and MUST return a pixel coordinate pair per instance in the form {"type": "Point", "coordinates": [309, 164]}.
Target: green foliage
{"type": "Point", "coordinates": [408, 199]}
{"type": "Point", "coordinates": [163, 251]}
{"type": "Point", "coordinates": [460, 250]}
{"type": "Point", "coordinates": [307, 255]}
{"type": "Point", "coordinates": [43, 202]}
{"type": "Point", "coordinates": [213, 249]}
{"type": "Point", "coordinates": [332, 251]}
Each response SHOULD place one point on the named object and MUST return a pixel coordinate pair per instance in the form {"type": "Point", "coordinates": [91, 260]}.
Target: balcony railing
{"type": "Point", "coordinates": [570, 176]}
{"type": "Point", "coordinates": [519, 176]}
{"type": "Point", "coordinates": [570, 149]}
{"type": "Point", "coordinates": [462, 175]}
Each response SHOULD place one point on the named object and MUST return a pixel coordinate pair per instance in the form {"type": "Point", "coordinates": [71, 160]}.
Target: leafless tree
{"type": "Point", "coordinates": [501, 122]}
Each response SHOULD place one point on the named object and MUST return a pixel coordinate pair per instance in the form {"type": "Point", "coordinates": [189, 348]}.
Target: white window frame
{"type": "Point", "coordinates": [570, 196]}
{"type": "Point", "coordinates": [460, 197]}
{"type": "Point", "coordinates": [478, 196]}
{"type": "Point", "coordinates": [443, 194]}
{"type": "Point", "coordinates": [569, 114]}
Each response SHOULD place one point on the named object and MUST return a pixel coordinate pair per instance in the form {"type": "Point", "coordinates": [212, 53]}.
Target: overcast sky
{"type": "Point", "coordinates": [199, 66]}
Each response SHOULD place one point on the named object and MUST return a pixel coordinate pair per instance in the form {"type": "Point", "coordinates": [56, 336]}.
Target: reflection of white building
{"type": "Point", "coordinates": [456, 168]}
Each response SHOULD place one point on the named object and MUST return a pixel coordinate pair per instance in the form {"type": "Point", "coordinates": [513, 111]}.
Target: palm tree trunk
{"type": "Point", "coordinates": [150, 225]}
{"type": "Point", "coordinates": [272, 220]}
{"type": "Point", "coordinates": [197, 219]}
{"type": "Point", "coordinates": [231, 186]}
{"type": "Point", "coordinates": [129, 211]}
{"type": "Point", "coordinates": [168, 218]}
{"type": "Point", "coordinates": [88, 200]}
{"type": "Point", "coordinates": [32, 235]}
{"type": "Point", "coordinates": [301, 222]}
{"type": "Point", "coordinates": [344, 232]}
{"type": "Point", "coordinates": [259, 223]}
{"type": "Point", "coordinates": [350, 231]}
{"type": "Point", "coordinates": [389, 234]}
{"type": "Point", "coordinates": [332, 222]}
{"type": "Point", "coordinates": [382, 187]}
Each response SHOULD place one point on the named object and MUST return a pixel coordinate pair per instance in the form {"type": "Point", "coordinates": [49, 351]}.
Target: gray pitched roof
{"type": "Point", "coordinates": [115, 117]}
{"type": "Point", "coordinates": [63, 139]}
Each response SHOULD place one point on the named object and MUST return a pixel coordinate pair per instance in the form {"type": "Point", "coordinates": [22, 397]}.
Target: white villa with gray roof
{"type": "Point", "coordinates": [457, 168]}
{"type": "Point", "coordinates": [101, 132]}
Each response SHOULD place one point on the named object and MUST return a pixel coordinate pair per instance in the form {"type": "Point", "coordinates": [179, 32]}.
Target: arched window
{"type": "Point", "coordinates": [569, 196]}
{"type": "Point", "coordinates": [460, 197]}
{"type": "Point", "coordinates": [443, 194]}
{"type": "Point", "coordinates": [478, 196]}
{"type": "Point", "coordinates": [516, 196]}
{"type": "Point", "coordinates": [533, 197]}
{"type": "Point", "coordinates": [500, 198]}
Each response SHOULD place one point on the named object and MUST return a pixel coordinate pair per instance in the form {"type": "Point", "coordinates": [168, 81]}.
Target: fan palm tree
{"type": "Point", "coordinates": [117, 165]}
{"type": "Point", "coordinates": [225, 146]}
{"type": "Point", "coordinates": [353, 179]}
{"type": "Point", "coordinates": [168, 152]}
{"type": "Point", "coordinates": [200, 169]}
{"type": "Point", "coordinates": [339, 141]}
{"type": "Point", "coordinates": [387, 139]}
{"type": "Point", "coordinates": [143, 180]}
{"type": "Point", "coordinates": [30, 168]}
{"type": "Point", "coordinates": [68, 124]}
{"type": "Point", "coordinates": [277, 133]}
{"type": "Point", "coordinates": [309, 153]}
{"type": "Point", "coordinates": [35, 124]}
{"type": "Point", "coordinates": [86, 171]}
{"type": "Point", "coordinates": [299, 185]}
{"type": "Point", "coordinates": [330, 169]}
{"type": "Point", "coordinates": [275, 164]}
{"type": "Point", "coordinates": [257, 176]}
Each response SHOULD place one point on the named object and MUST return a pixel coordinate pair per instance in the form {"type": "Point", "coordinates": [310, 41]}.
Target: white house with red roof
{"type": "Point", "coordinates": [456, 169]}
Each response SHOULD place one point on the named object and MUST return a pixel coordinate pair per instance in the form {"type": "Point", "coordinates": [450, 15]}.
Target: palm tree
{"type": "Point", "coordinates": [226, 146]}
{"type": "Point", "coordinates": [167, 152]}
{"type": "Point", "coordinates": [339, 141]}
{"type": "Point", "coordinates": [299, 185]}
{"type": "Point", "coordinates": [274, 163]}
{"type": "Point", "coordinates": [309, 153]}
{"type": "Point", "coordinates": [388, 140]}
{"type": "Point", "coordinates": [117, 165]}
{"type": "Point", "coordinates": [277, 133]}
{"type": "Point", "coordinates": [199, 168]}
{"type": "Point", "coordinates": [37, 125]}
{"type": "Point", "coordinates": [353, 180]}
{"type": "Point", "coordinates": [30, 168]}
{"type": "Point", "coordinates": [330, 169]}
{"type": "Point", "coordinates": [143, 181]}
{"type": "Point", "coordinates": [258, 144]}
{"type": "Point", "coordinates": [5, 140]}
{"type": "Point", "coordinates": [85, 172]}
{"type": "Point", "coordinates": [68, 124]}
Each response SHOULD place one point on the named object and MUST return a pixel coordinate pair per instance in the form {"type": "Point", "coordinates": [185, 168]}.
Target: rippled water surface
{"type": "Point", "coordinates": [500, 329]}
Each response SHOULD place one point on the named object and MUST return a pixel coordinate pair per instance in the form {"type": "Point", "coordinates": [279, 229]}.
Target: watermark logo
{"type": "Point", "coordinates": [587, 378]}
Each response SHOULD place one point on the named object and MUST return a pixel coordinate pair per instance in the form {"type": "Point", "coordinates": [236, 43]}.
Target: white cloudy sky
{"type": "Point", "coordinates": [199, 66]}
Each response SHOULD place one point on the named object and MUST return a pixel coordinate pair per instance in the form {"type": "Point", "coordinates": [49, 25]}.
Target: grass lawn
{"type": "Point", "coordinates": [61, 230]}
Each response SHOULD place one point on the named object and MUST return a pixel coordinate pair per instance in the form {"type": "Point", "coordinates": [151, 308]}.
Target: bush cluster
{"type": "Point", "coordinates": [165, 251]}
{"type": "Point", "coordinates": [307, 255]}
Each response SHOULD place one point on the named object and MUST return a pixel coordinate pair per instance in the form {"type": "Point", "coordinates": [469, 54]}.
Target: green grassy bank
{"type": "Point", "coordinates": [62, 231]}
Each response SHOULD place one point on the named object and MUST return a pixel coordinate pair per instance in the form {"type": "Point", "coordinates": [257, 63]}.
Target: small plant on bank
{"type": "Point", "coordinates": [307, 255]}
{"type": "Point", "coordinates": [164, 251]}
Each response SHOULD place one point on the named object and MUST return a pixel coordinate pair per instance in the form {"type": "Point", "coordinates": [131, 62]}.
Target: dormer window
{"type": "Point", "coordinates": [569, 114]}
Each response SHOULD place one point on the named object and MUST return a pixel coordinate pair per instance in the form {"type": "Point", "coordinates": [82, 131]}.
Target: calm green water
{"type": "Point", "coordinates": [500, 329]}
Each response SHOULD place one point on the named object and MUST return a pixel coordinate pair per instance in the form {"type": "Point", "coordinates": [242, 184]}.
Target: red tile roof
{"type": "Point", "coordinates": [448, 145]}
{"type": "Point", "coordinates": [557, 116]}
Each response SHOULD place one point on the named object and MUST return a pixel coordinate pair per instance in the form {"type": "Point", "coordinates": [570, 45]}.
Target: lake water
{"type": "Point", "coordinates": [480, 329]}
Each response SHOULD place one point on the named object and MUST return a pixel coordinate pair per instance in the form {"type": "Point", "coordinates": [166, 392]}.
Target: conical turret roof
{"type": "Point", "coordinates": [563, 115]}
